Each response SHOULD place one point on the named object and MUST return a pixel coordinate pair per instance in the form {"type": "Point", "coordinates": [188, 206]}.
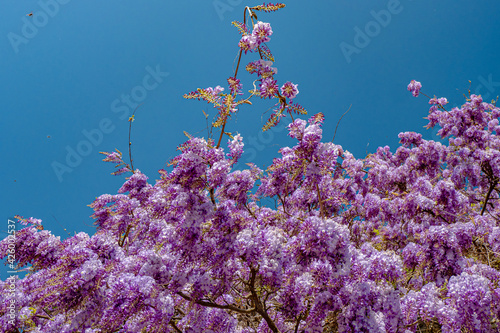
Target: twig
{"type": "Point", "coordinates": [339, 122]}
{"type": "Point", "coordinates": [222, 131]}
{"type": "Point", "coordinates": [238, 65]}
{"type": "Point", "coordinates": [61, 225]}
{"type": "Point", "coordinates": [321, 207]}
{"type": "Point", "coordinates": [130, 120]}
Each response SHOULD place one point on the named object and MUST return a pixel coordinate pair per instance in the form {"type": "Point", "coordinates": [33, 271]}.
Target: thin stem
{"type": "Point", "coordinates": [235, 73]}
{"type": "Point", "coordinates": [251, 213]}
{"type": "Point", "coordinates": [122, 241]}
{"type": "Point", "coordinates": [61, 225]}
{"type": "Point", "coordinates": [238, 64]}
{"type": "Point", "coordinates": [130, 120]}
{"type": "Point", "coordinates": [298, 323]}
{"type": "Point", "coordinates": [222, 132]}
{"type": "Point", "coordinates": [321, 207]}
{"type": "Point", "coordinates": [282, 200]}
{"type": "Point", "coordinates": [339, 122]}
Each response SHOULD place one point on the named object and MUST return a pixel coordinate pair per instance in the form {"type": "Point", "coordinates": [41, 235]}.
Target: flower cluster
{"type": "Point", "coordinates": [414, 87]}
{"type": "Point", "coordinates": [289, 90]}
{"type": "Point", "coordinates": [399, 241]}
{"type": "Point", "coordinates": [261, 34]}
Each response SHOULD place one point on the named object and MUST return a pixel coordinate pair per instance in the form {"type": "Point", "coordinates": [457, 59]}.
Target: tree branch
{"type": "Point", "coordinates": [259, 307]}
{"type": "Point", "coordinates": [487, 197]}
{"type": "Point", "coordinates": [322, 212]}
{"type": "Point", "coordinates": [215, 305]}
{"type": "Point", "coordinates": [175, 326]}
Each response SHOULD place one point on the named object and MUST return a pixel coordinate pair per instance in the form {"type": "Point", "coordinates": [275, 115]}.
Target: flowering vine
{"type": "Point", "coordinates": [399, 241]}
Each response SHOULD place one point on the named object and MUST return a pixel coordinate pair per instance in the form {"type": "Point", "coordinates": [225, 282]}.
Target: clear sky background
{"type": "Point", "coordinates": [66, 71]}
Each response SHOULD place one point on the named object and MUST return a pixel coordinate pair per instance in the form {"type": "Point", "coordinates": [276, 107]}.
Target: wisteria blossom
{"type": "Point", "coordinates": [261, 34]}
{"type": "Point", "coordinates": [235, 86]}
{"type": "Point", "coordinates": [248, 43]}
{"type": "Point", "coordinates": [268, 88]}
{"type": "Point", "coordinates": [404, 240]}
{"type": "Point", "coordinates": [289, 90]}
{"type": "Point", "coordinates": [414, 87]}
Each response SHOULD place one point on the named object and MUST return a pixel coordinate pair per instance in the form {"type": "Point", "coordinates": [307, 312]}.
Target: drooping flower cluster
{"type": "Point", "coordinates": [261, 34]}
{"type": "Point", "coordinates": [403, 241]}
{"type": "Point", "coordinates": [414, 87]}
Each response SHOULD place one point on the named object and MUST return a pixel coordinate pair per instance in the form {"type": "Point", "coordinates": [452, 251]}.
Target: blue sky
{"type": "Point", "coordinates": [68, 69]}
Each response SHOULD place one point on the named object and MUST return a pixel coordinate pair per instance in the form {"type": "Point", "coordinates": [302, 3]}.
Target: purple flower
{"type": "Point", "coordinates": [137, 181]}
{"type": "Point", "coordinates": [234, 86]}
{"type": "Point", "coordinates": [236, 148]}
{"type": "Point", "coordinates": [32, 221]}
{"type": "Point", "coordinates": [439, 101]}
{"type": "Point", "coordinates": [296, 129]}
{"type": "Point", "coordinates": [389, 243]}
{"type": "Point", "coordinates": [215, 91]}
{"type": "Point", "coordinates": [289, 90]}
{"type": "Point", "coordinates": [121, 170]}
{"type": "Point", "coordinates": [114, 157]}
{"type": "Point", "coordinates": [247, 43]}
{"type": "Point", "coordinates": [261, 32]}
{"type": "Point", "coordinates": [268, 88]}
{"type": "Point", "coordinates": [262, 68]}
{"type": "Point", "coordinates": [414, 87]}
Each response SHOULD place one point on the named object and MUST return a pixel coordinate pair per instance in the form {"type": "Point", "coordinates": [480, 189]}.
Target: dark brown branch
{"type": "Point", "coordinates": [298, 323]}
{"type": "Point", "coordinates": [492, 187]}
{"type": "Point", "coordinates": [215, 305]}
{"type": "Point", "coordinates": [237, 65]}
{"type": "Point", "coordinates": [222, 131]}
{"type": "Point", "coordinates": [175, 327]}
{"type": "Point", "coordinates": [251, 213]}
{"type": "Point", "coordinates": [212, 198]}
{"type": "Point", "coordinates": [43, 317]}
{"type": "Point", "coordinates": [122, 241]}
{"type": "Point", "coordinates": [486, 168]}
{"type": "Point", "coordinates": [322, 212]}
{"type": "Point", "coordinates": [435, 215]}
{"type": "Point", "coordinates": [259, 307]}
{"type": "Point", "coordinates": [283, 204]}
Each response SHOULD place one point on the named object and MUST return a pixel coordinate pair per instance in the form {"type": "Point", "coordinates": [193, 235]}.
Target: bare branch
{"type": "Point", "coordinates": [215, 305]}
{"type": "Point", "coordinates": [130, 120]}
{"type": "Point", "coordinates": [339, 122]}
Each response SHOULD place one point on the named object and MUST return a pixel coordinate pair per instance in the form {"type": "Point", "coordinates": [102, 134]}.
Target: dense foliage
{"type": "Point", "coordinates": [396, 242]}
